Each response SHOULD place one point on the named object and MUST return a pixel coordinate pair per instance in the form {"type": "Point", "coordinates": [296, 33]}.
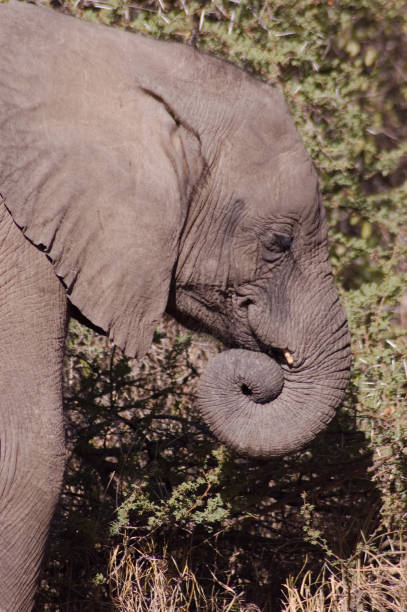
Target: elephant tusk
{"type": "Point", "coordinates": [288, 357]}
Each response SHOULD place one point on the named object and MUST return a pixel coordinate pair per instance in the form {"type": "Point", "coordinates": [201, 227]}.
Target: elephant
{"type": "Point", "coordinates": [139, 177]}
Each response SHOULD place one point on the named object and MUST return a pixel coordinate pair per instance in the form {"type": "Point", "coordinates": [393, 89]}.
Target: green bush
{"type": "Point", "coordinates": [187, 521]}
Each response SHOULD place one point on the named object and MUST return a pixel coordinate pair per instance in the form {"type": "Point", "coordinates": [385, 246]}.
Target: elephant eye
{"type": "Point", "coordinates": [274, 245]}
{"type": "Point", "coordinates": [283, 240]}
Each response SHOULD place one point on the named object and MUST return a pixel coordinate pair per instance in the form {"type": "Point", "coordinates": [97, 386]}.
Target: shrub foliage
{"type": "Point", "coordinates": [155, 514]}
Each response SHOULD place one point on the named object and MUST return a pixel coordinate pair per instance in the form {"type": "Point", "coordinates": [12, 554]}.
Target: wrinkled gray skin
{"type": "Point", "coordinates": [142, 176]}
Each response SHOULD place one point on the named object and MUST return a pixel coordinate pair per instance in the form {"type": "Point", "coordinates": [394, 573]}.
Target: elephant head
{"type": "Point", "coordinates": [158, 178]}
{"type": "Point", "coordinates": [273, 302]}
{"type": "Point", "coordinates": [253, 268]}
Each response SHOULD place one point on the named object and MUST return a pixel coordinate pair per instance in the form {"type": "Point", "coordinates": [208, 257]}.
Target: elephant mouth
{"type": "Point", "coordinates": [288, 357]}
{"type": "Point", "coordinates": [283, 356]}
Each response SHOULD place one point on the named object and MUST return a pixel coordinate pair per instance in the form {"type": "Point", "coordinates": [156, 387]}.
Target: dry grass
{"type": "Point", "coordinates": [142, 581]}
{"type": "Point", "coordinates": [374, 581]}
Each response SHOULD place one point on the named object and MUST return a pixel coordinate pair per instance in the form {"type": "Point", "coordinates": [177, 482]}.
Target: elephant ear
{"type": "Point", "coordinates": [101, 186]}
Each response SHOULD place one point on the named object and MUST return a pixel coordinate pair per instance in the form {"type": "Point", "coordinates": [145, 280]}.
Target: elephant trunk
{"type": "Point", "coordinates": [263, 408]}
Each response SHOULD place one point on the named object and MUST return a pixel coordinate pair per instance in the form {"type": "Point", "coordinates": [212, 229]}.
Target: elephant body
{"type": "Point", "coordinates": [138, 177]}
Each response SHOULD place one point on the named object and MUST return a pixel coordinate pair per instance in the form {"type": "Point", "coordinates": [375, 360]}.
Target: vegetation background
{"type": "Point", "coordinates": [156, 515]}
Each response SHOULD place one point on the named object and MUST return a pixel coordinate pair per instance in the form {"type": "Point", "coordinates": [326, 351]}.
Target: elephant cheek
{"type": "Point", "coordinates": [269, 323]}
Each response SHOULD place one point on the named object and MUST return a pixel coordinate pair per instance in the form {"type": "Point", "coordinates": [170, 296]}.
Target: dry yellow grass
{"type": "Point", "coordinates": [142, 581]}
{"type": "Point", "coordinates": [375, 581]}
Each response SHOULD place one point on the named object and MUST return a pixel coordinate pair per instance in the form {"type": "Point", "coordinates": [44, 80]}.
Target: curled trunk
{"type": "Point", "coordinates": [263, 408]}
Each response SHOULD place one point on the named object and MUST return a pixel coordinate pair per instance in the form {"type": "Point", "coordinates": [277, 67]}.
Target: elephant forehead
{"type": "Point", "coordinates": [268, 166]}
{"type": "Point", "coordinates": [285, 186]}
